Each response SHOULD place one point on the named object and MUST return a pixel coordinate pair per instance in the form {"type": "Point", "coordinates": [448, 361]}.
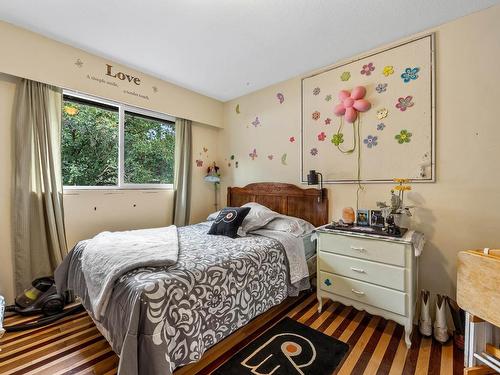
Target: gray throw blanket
{"type": "Point", "coordinates": [109, 255]}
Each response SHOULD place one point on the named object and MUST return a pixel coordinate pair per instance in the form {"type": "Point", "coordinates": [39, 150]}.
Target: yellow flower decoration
{"type": "Point", "coordinates": [402, 187]}
{"type": "Point", "coordinates": [401, 180]}
{"type": "Point", "coordinates": [70, 111]}
{"type": "Point", "coordinates": [388, 70]}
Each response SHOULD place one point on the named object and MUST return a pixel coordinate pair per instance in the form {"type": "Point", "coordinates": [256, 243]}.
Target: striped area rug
{"type": "Point", "coordinates": [73, 345]}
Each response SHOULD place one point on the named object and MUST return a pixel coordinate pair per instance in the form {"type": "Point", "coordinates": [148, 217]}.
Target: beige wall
{"type": "Point", "coordinates": [88, 212]}
{"type": "Point", "coordinates": [29, 55]}
{"type": "Point", "coordinates": [462, 209]}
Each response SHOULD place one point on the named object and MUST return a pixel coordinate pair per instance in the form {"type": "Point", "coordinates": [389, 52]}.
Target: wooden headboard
{"type": "Point", "coordinates": [287, 199]}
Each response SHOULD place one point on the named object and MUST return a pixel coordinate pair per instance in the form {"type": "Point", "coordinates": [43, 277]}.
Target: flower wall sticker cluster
{"type": "Point", "coordinates": [345, 76]}
{"type": "Point", "coordinates": [280, 97]}
{"type": "Point", "coordinates": [367, 69]}
{"type": "Point", "coordinates": [388, 70]}
{"type": "Point", "coordinates": [381, 87]}
{"type": "Point", "coordinates": [404, 103]}
{"type": "Point", "coordinates": [410, 74]}
{"type": "Point", "coordinates": [404, 136]}
{"type": "Point", "coordinates": [370, 141]}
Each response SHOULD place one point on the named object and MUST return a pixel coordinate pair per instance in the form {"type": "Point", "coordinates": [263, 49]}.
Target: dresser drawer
{"type": "Point", "coordinates": [364, 270]}
{"type": "Point", "coordinates": [378, 296]}
{"type": "Point", "coordinates": [370, 249]}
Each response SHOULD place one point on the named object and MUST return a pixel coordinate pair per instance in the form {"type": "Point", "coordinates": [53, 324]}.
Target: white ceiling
{"type": "Point", "coordinates": [228, 48]}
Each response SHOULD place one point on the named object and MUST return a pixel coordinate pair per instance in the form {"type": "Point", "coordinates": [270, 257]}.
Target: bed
{"type": "Point", "coordinates": [164, 317]}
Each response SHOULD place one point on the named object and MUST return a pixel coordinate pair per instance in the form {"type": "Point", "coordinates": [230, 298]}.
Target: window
{"type": "Point", "coordinates": [105, 144]}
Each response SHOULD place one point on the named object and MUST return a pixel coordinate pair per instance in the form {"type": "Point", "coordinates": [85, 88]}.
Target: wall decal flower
{"type": "Point", "coordinates": [381, 87]}
{"type": "Point", "coordinates": [316, 91]}
{"type": "Point", "coordinates": [328, 97]}
{"type": "Point", "coordinates": [199, 163]}
{"type": "Point", "coordinates": [388, 70]}
{"type": "Point", "coordinates": [380, 126]}
{"type": "Point", "coordinates": [345, 76]}
{"type": "Point", "coordinates": [291, 139]}
{"type": "Point", "coordinates": [382, 113]}
{"type": "Point", "coordinates": [328, 121]}
{"type": "Point", "coordinates": [283, 159]}
{"type": "Point", "coordinates": [367, 69]}
{"type": "Point", "coordinates": [70, 111]}
{"type": "Point", "coordinates": [321, 136]}
{"type": "Point", "coordinates": [314, 151]}
{"type": "Point", "coordinates": [79, 63]}
{"type": "Point", "coordinates": [231, 157]}
{"type": "Point", "coordinates": [370, 141]}
{"type": "Point", "coordinates": [404, 136]}
{"type": "Point", "coordinates": [237, 109]}
{"type": "Point", "coordinates": [351, 103]}
{"type": "Point", "coordinates": [270, 157]}
{"type": "Point", "coordinates": [410, 74]}
{"type": "Point", "coordinates": [253, 154]}
{"type": "Point", "coordinates": [256, 122]}
{"type": "Point", "coordinates": [338, 139]}
{"type": "Point", "coordinates": [404, 103]}
{"type": "Point", "coordinates": [316, 115]}
{"type": "Point", "coordinates": [281, 97]}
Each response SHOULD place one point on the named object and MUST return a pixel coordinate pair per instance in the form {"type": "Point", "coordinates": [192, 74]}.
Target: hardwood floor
{"type": "Point", "coordinates": [74, 345]}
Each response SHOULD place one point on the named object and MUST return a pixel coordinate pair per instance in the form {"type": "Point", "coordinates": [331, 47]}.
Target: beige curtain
{"type": "Point", "coordinates": [39, 237]}
{"type": "Point", "coordinates": [182, 174]}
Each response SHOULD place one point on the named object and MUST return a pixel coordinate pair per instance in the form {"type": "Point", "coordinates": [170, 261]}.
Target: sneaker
{"type": "Point", "coordinates": [440, 326]}
{"type": "Point", "coordinates": [425, 322]}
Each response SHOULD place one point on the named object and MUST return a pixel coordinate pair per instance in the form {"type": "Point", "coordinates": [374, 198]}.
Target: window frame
{"type": "Point", "coordinates": [122, 108]}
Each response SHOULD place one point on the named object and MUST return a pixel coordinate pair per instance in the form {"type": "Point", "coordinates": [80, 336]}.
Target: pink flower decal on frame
{"type": "Point", "coordinates": [367, 69]}
{"type": "Point", "coordinates": [314, 151]}
{"type": "Point", "coordinates": [316, 115]}
{"type": "Point", "coordinates": [328, 121]}
{"type": "Point", "coordinates": [351, 103]}
{"type": "Point", "coordinates": [404, 103]}
{"type": "Point", "coordinates": [291, 139]}
{"type": "Point", "coordinates": [321, 136]}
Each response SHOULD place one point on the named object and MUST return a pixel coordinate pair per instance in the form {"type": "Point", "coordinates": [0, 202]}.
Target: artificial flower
{"type": "Point", "coordinates": [388, 70]}
{"type": "Point", "coordinates": [410, 74]}
{"type": "Point", "coordinates": [370, 141]}
{"type": "Point", "coordinates": [367, 69]}
{"type": "Point", "coordinates": [338, 139]}
{"type": "Point", "coordinates": [404, 103]}
{"type": "Point", "coordinates": [404, 136]}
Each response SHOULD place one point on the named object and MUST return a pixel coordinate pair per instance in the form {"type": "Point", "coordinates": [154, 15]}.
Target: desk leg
{"type": "Point", "coordinates": [320, 304]}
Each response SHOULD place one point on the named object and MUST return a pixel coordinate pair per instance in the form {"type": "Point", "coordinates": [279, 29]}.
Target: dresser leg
{"type": "Point", "coordinates": [320, 304]}
{"type": "Point", "coordinates": [408, 330]}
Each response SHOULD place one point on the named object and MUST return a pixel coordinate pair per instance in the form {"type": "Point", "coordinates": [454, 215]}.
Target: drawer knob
{"type": "Point", "coordinates": [328, 282]}
{"type": "Point", "coordinates": [358, 270]}
{"type": "Point", "coordinates": [357, 248]}
{"type": "Point", "coordinates": [358, 292]}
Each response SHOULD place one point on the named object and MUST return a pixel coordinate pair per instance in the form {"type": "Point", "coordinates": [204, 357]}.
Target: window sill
{"type": "Point", "coordinates": [131, 187]}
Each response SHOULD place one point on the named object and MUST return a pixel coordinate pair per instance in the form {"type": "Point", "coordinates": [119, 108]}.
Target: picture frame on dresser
{"type": "Point", "coordinates": [368, 272]}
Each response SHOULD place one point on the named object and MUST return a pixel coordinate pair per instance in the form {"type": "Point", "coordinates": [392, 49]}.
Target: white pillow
{"type": "Point", "coordinates": [258, 217]}
{"type": "Point", "coordinates": [213, 216]}
{"type": "Point", "coordinates": [293, 225]}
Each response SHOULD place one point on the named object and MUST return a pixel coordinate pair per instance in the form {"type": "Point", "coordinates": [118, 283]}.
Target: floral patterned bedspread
{"type": "Point", "coordinates": [160, 318]}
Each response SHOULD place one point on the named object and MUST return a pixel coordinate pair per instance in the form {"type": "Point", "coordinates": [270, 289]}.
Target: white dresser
{"type": "Point", "coordinates": [372, 273]}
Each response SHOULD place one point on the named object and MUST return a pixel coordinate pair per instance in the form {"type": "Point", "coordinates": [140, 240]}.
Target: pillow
{"type": "Point", "coordinates": [228, 221]}
{"type": "Point", "coordinates": [258, 217]}
{"type": "Point", "coordinates": [213, 216]}
{"type": "Point", "coordinates": [290, 224]}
